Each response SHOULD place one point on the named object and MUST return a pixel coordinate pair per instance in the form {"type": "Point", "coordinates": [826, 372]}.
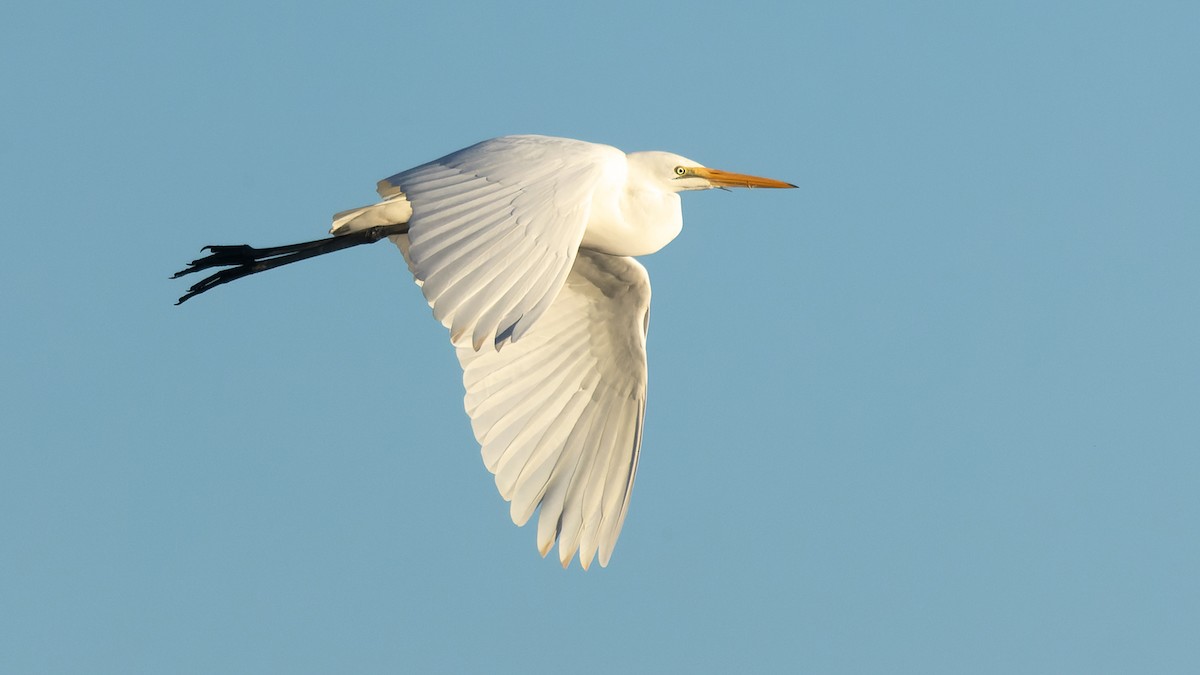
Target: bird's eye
{"type": "Point", "coordinates": [680, 171]}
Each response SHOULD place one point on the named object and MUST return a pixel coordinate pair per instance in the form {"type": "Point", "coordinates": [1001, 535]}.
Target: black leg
{"type": "Point", "coordinates": [242, 260]}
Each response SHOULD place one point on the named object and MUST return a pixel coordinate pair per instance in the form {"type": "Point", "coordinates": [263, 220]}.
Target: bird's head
{"type": "Point", "coordinates": [676, 174]}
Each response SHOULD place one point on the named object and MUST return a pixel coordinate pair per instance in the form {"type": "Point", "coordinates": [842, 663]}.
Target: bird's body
{"type": "Point", "coordinates": [523, 247]}
{"type": "Point", "coordinates": [626, 214]}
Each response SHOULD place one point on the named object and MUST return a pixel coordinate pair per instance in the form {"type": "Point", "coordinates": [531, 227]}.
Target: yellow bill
{"type": "Point", "coordinates": [729, 179]}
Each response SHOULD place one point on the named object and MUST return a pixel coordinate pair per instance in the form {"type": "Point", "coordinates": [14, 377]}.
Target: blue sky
{"type": "Point", "coordinates": [933, 412]}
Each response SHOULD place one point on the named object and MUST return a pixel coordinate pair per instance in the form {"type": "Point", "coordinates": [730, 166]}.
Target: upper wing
{"type": "Point", "coordinates": [559, 414]}
{"type": "Point", "coordinates": [495, 228]}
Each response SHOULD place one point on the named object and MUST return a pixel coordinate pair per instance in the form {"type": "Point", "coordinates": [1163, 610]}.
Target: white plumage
{"type": "Point", "coordinates": [559, 413]}
{"type": "Point", "coordinates": [522, 245]}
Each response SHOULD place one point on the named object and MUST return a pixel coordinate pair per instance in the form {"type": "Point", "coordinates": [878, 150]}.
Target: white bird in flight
{"type": "Point", "coordinates": [523, 246]}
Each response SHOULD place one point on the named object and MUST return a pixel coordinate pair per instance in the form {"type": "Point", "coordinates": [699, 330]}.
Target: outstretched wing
{"type": "Point", "coordinates": [559, 414]}
{"type": "Point", "coordinates": [495, 228]}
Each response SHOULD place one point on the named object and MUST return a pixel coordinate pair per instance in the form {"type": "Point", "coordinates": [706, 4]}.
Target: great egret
{"type": "Point", "coordinates": [522, 246]}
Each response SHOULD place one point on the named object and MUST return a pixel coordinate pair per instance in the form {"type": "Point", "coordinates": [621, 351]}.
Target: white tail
{"type": "Point", "coordinates": [392, 211]}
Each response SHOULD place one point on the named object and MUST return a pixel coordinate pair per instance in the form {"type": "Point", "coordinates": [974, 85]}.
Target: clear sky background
{"type": "Point", "coordinates": [936, 411]}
